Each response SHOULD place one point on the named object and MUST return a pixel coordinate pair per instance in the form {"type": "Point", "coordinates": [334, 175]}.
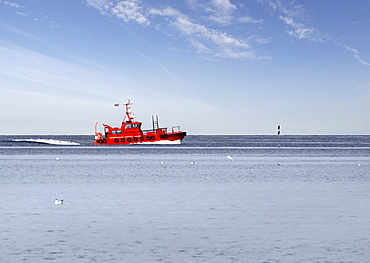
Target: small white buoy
{"type": "Point", "coordinates": [58, 202]}
{"type": "Point", "coordinates": [191, 162]}
{"type": "Point", "coordinates": [231, 158]}
{"type": "Point", "coordinates": [359, 164]}
{"type": "Point", "coordinates": [57, 158]}
{"type": "Point", "coordinates": [162, 162]}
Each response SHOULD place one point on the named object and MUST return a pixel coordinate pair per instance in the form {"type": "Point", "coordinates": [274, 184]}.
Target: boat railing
{"type": "Point", "coordinates": [175, 129]}
{"type": "Point", "coordinates": [159, 130]}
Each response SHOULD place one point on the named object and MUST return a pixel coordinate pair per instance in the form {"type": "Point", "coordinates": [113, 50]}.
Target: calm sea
{"type": "Point", "coordinates": [210, 199]}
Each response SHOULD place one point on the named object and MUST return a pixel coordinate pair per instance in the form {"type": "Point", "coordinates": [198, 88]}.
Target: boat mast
{"type": "Point", "coordinates": [130, 118]}
{"type": "Point", "coordinates": [155, 122]}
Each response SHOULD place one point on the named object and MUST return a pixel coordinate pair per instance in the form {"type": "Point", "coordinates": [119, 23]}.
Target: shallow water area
{"type": "Point", "coordinates": [303, 202]}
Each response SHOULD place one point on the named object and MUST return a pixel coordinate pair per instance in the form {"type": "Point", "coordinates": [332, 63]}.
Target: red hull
{"type": "Point", "coordinates": [130, 133]}
{"type": "Point", "coordinates": [149, 138]}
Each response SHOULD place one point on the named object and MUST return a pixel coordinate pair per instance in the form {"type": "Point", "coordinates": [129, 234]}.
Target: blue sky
{"type": "Point", "coordinates": [213, 67]}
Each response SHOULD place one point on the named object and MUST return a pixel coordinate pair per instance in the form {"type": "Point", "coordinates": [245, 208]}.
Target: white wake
{"type": "Point", "coordinates": [47, 141]}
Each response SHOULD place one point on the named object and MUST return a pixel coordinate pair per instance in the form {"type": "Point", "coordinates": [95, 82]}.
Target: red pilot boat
{"type": "Point", "coordinates": [130, 132]}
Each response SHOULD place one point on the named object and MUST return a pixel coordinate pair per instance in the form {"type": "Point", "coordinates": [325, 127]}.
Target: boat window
{"type": "Point", "coordinates": [119, 131]}
{"type": "Point", "coordinates": [113, 132]}
{"type": "Point", "coordinates": [134, 125]}
{"type": "Point", "coordinates": [128, 126]}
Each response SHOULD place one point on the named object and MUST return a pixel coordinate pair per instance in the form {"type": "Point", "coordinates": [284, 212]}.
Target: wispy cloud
{"type": "Point", "coordinates": [250, 20]}
{"type": "Point", "coordinates": [14, 30]}
{"type": "Point", "coordinates": [203, 38]}
{"type": "Point", "coordinates": [207, 29]}
{"type": "Point", "coordinates": [155, 63]}
{"type": "Point", "coordinates": [355, 54]}
{"type": "Point", "coordinates": [12, 4]}
{"type": "Point", "coordinates": [300, 30]}
{"type": "Point", "coordinates": [45, 74]}
{"type": "Point", "coordinates": [294, 17]}
{"type": "Point", "coordinates": [360, 22]}
{"type": "Point", "coordinates": [207, 40]}
{"type": "Point", "coordinates": [218, 11]}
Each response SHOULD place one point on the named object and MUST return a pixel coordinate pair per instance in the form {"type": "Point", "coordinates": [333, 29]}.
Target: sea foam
{"type": "Point", "coordinates": [47, 141]}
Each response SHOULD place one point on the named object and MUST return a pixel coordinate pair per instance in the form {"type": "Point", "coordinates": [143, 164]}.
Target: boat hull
{"type": "Point", "coordinates": [169, 138]}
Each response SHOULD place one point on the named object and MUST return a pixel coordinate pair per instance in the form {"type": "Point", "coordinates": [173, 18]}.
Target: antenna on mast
{"type": "Point", "coordinates": [128, 112]}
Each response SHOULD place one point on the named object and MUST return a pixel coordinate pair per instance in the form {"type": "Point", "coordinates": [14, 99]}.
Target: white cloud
{"type": "Point", "coordinates": [13, 4]}
{"type": "Point", "coordinates": [221, 11]}
{"type": "Point", "coordinates": [223, 5]}
{"type": "Point", "coordinates": [168, 11]}
{"type": "Point", "coordinates": [126, 10]}
{"type": "Point", "coordinates": [250, 20]}
{"type": "Point", "coordinates": [130, 10]}
{"type": "Point", "coordinates": [102, 5]}
{"type": "Point", "coordinates": [205, 40]}
{"type": "Point", "coordinates": [360, 22]}
{"type": "Point", "coordinates": [201, 48]}
{"type": "Point", "coordinates": [355, 54]}
{"type": "Point", "coordinates": [293, 17]}
{"type": "Point", "coordinates": [22, 13]}
{"type": "Point", "coordinates": [301, 31]}
{"type": "Point", "coordinates": [211, 41]}
{"type": "Point", "coordinates": [218, 11]}
{"type": "Point", "coordinates": [271, 4]}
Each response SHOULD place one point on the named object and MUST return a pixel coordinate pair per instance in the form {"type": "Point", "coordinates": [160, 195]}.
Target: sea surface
{"type": "Point", "coordinates": [214, 198]}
